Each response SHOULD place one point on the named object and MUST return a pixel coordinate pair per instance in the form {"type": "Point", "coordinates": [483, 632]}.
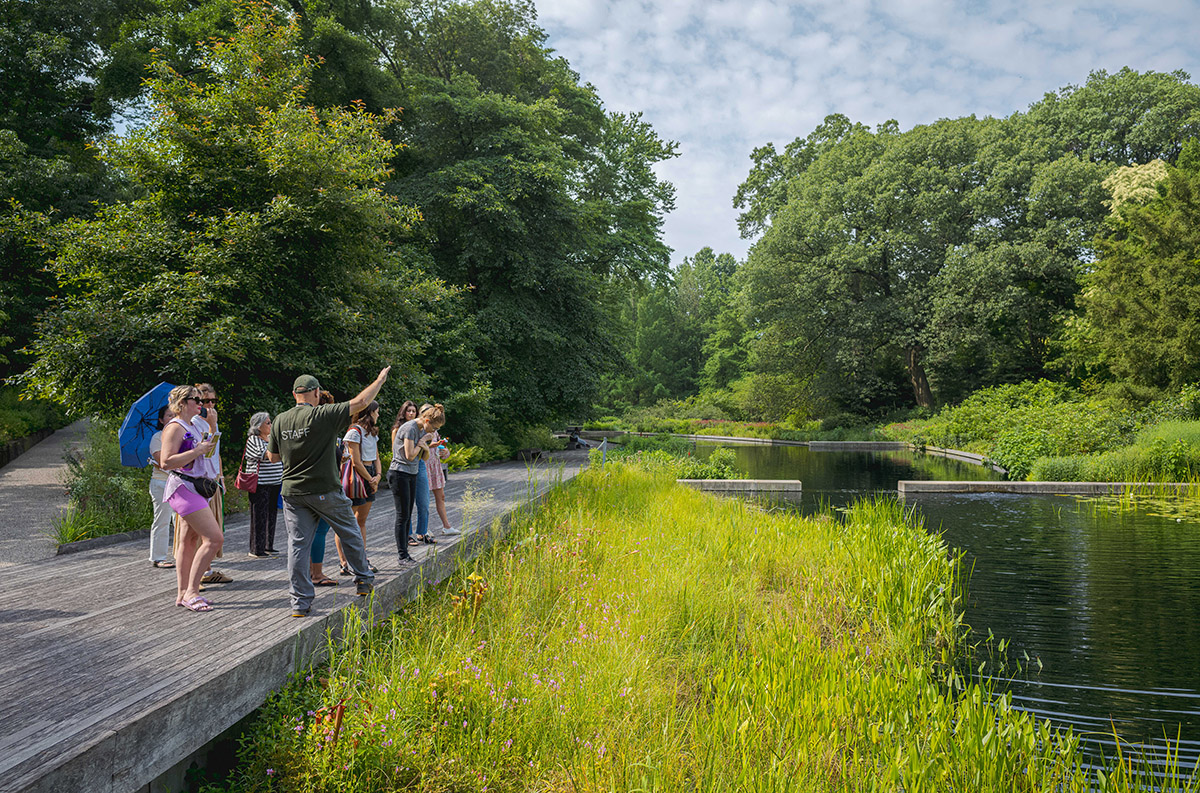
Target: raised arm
{"type": "Point", "coordinates": [368, 394]}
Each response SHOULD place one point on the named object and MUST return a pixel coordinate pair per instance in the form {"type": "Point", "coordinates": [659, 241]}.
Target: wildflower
{"type": "Point", "coordinates": [270, 772]}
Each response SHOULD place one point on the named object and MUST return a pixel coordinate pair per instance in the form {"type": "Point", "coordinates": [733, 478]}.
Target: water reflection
{"type": "Point", "coordinates": [1109, 604]}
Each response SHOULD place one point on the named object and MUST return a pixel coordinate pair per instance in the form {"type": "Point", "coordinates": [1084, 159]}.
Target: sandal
{"type": "Point", "coordinates": [413, 541]}
{"type": "Point", "coordinates": [428, 540]}
{"type": "Point", "coordinates": [163, 564]}
{"type": "Point", "coordinates": [345, 570]}
{"type": "Point", "coordinates": [197, 604]}
{"type": "Point", "coordinates": [326, 581]}
{"type": "Point", "coordinates": [179, 602]}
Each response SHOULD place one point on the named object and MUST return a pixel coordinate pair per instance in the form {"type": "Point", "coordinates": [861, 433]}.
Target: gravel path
{"type": "Point", "coordinates": [32, 496]}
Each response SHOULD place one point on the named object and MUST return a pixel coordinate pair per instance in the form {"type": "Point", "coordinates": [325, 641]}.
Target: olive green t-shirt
{"type": "Point", "coordinates": [305, 437]}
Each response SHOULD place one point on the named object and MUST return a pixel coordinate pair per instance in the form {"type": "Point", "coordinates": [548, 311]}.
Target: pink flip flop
{"type": "Point", "coordinates": [197, 604]}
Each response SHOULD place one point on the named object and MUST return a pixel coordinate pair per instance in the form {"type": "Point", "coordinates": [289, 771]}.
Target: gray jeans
{"type": "Point", "coordinates": [300, 515]}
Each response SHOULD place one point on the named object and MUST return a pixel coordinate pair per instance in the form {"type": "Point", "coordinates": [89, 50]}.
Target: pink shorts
{"type": "Point", "coordinates": [185, 501]}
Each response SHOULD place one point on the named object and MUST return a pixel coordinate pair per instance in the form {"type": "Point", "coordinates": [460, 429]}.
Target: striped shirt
{"type": "Point", "coordinates": [269, 473]}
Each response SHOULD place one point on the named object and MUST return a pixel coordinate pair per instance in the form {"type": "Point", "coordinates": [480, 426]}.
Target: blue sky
{"type": "Point", "coordinates": [722, 77]}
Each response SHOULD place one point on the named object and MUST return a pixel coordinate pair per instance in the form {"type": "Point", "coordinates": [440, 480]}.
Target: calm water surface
{"type": "Point", "coordinates": [1108, 604]}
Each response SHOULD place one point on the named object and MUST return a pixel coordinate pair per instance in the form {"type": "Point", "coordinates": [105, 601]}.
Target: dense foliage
{"type": "Point", "coordinates": [906, 269]}
{"type": "Point", "coordinates": [22, 417]}
{"type": "Point", "coordinates": [1043, 430]}
{"type": "Point", "coordinates": [259, 244]}
{"type": "Point", "coordinates": [489, 199]}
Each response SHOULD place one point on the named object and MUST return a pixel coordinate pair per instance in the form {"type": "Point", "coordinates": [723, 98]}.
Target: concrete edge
{"type": "Point", "coordinates": [743, 485]}
{"type": "Point", "coordinates": [904, 487]}
{"type": "Point", "coordinates": [132, 756]}
{"type": "Point", "coordinates": [858, 446]}
{"type": "Point", "coordinates": [102, 542]}
{"type": "Point", "coordinates": [13, 449]}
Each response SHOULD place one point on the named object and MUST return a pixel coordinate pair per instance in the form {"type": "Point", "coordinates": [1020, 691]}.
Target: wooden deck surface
{"type": "Point", "coordinates": [105, 684]}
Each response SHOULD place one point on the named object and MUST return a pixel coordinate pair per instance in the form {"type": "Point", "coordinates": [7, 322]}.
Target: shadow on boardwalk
{"type": "Point", "coordinates": [106, 684]}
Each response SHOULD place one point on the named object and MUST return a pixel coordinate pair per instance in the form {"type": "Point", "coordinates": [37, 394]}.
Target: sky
{"type": "Point", "coordinates": [723, 77]}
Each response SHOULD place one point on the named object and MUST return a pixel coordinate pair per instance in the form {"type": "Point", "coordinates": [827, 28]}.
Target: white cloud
{"type": "Point", "coordinates": [724, 76]}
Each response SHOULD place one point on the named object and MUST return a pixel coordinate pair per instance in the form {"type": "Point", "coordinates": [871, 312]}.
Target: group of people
{"type": "Point", "coordinates": [321, 457]}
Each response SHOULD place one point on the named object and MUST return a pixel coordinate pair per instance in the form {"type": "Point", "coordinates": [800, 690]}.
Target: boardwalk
{"type": "Point", "coordinates": [105, 684]}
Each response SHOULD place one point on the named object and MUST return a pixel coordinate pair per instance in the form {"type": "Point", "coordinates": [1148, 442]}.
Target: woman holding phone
{"type": "Point", "coordinates": [437, 477]}
{"type": "Point", "coordinates": [191, 471]}
{"type": "Point", "coordinates": [410, 444]}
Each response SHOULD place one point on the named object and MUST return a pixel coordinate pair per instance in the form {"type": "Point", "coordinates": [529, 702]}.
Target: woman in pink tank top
{"type": "Point", "coordinates": [185, 453]}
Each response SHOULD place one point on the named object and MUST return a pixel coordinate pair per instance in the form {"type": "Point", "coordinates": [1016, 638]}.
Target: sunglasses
{"type": "Point", "coordinates": [212, 401]}
{"type": "Point", "coordinates": [197, 400]}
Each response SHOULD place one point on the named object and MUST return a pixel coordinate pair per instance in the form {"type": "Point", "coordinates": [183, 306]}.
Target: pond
{"type": "Point", "coordinates": [1105, 606]}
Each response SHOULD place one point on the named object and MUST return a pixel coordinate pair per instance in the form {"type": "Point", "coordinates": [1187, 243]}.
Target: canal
{"type": "Point", "coordinates": [1101, 607]}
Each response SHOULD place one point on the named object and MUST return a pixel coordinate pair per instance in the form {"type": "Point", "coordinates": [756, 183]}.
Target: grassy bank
{"type": "Point", "coordinates": [1047, 431]}
{"type": "Point", "coordinates": [672, 456]}
{"type": "Point", "coordinates": [634, 635]}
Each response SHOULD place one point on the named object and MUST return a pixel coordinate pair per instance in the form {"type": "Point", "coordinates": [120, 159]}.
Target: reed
{"type": "Point", "coordinates": [635, 635]}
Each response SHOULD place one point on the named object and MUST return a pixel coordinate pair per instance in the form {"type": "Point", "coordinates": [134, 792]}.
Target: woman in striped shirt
{"type": "Point", "coordinates": [264, 500]}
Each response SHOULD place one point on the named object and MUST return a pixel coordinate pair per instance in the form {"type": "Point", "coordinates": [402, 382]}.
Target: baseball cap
{"type": "Point", "coordinates": [305, 382]}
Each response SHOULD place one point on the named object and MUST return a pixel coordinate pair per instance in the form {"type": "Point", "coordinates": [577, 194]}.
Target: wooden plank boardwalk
{"type": "Point", "coordinates": [105, 685]}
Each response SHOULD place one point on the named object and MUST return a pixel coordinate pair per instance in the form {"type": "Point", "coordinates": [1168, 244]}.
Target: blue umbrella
{"type": "Point", "coordinates": [141, 422]}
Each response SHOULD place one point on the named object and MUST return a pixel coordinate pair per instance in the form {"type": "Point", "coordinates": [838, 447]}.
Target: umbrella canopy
{"type": "Point", "coordinates": [141, 422]}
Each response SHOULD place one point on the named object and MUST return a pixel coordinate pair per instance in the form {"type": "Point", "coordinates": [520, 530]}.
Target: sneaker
{"type": "Point", "coordinates": [407, 561]}
{"type": "Point", "coordinates": [301, 612]}
{"type": "Point", "coordinates": [364, 588]}
{"type": "Point", "coordinates": [450, 530]}
{"type": "Point", "coordinates": [273, 552]}
{"type": "Point", "coordinates": [215, 577]}
{"type": "Point", "coordinates": [254, 555]}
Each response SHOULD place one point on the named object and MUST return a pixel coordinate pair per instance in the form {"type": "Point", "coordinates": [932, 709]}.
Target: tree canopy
{"type": "Point", "coordinates": [528, 198]}
{"type": "Point", "coordinates": [259, 243]}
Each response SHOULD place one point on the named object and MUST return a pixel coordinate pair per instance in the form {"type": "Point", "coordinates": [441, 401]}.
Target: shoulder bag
{"type": "Point", "coordinates": [245, 481]}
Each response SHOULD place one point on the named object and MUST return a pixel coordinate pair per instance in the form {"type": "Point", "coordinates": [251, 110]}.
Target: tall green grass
{"type": "Point", "coordinates": [665, 453]}
{"type": "Point", "coordinates": [106, 497]}
{"type": "Point", "coordinates": [633, 635]}
{"type": "Point", "coordinates": [1164, 452]}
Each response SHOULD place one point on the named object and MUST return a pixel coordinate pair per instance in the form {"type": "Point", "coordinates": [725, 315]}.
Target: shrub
{"type": "Point", "coordinates": [105, 497]}
{"type": "Point", "coordinates": [463, 457]}
{"type": "Point", "coordinates": [22, 417]}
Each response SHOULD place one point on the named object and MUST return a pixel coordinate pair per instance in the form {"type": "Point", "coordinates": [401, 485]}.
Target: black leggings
{"type": "Point", "coordinates": [263, 512]}
{"type": "Point", "coordinates": [404, 492]}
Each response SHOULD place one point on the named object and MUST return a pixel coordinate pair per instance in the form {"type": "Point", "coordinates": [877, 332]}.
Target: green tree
{"type": "Point", "coordinates": [534, 197]}
{"type": "Point", "coordinates": [259, 243]}
{"type": "Point", "coordinates": [56, 100]}
{"type": "Point", "coordinates": [953, 249]}
{"type": "Point", "coordinates": [1142, 296]}
{"type": "Point", "coordinates": [1124, 118]}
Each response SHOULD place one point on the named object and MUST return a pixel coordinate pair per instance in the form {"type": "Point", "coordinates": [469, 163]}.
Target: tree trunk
{"type": "Point", "coordinates": [916, 373]}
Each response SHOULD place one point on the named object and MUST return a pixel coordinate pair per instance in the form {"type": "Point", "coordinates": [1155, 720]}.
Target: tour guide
{"type": "Point", "coordinates": [305, 439]}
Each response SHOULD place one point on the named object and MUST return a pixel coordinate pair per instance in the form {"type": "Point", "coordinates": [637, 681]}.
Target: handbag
{"type": "Point", "coordinates": [205, 487]}
{"type": "Point", "coordinates": [245, 481]}
{"type": "Point", "coordinates": [352, 484]}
